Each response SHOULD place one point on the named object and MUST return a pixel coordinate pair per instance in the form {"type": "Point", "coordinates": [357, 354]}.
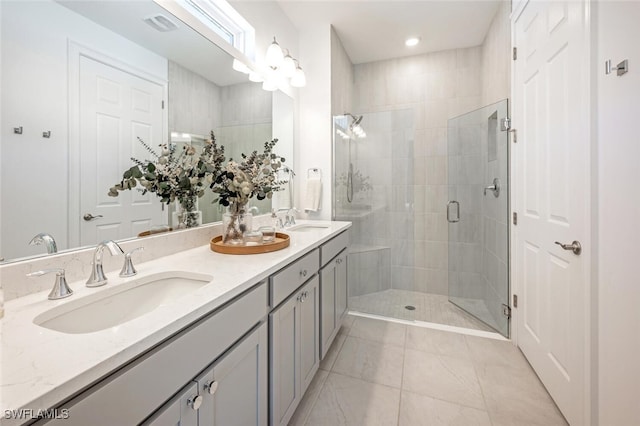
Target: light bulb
{"type": "Point", "coordinates": [274, 56]}
{"type": "Point", "coordinates": [240, 67]}
{"type": "Point", "coordinates": [288, 66]}
{"type": "Point", "coordinates": [298, 79]}
{"type": "Point", "coordinates": [270, 84]}
{"type": "Point", "coordinates": [256, 77]}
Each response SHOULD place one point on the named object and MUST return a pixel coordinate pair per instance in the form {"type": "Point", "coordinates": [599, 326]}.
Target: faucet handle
{"type": "Point", "coordinates": [60, 288]}
{"type": "Point", "coordinates": [128, 270]}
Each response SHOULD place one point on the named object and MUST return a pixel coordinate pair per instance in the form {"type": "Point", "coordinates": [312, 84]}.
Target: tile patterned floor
{"type": "Point", "coordinates": [383, 373]}
{"type": "Point", "coordinates": [429, 307]}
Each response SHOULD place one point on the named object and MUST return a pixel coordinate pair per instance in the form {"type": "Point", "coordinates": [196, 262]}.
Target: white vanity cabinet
{"type": "Point", "coordinates": [333, 289]}
{"type": "Point", "coordinates": [294, 327]}
{"type": "Point", "coordinates": [294, 335]}
{"type": "Point", "coordinates": [137, 390]}
{"type": "Point", "coordinates": [232, 391]}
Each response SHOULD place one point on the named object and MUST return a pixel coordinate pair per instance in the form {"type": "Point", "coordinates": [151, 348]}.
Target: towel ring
{"type": "Point", "coordinates": [314, 171]}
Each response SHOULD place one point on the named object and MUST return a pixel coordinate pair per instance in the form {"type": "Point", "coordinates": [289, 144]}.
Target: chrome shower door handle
{"type": "Point", "coordinates": [495, 188]}
{"type": "Point", "coordinates": [449, 219]}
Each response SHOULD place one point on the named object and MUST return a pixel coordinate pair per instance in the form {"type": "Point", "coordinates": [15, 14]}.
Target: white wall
{"type": "Point", "coordinates": [35, 37]}
{"type": "Point", "coordinates": [618, 151]}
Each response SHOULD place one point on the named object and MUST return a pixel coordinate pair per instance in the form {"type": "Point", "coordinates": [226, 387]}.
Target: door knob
{"type": "Point", "coordinates": [575, 247]}
{"type": "Point", "coordinates": [88, 216]}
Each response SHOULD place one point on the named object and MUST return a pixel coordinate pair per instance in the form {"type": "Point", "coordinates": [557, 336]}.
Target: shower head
{"type": "Point", "coordinates": [355, 127]}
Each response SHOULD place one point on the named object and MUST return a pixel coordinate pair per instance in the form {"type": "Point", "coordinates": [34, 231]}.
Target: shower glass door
{"type": "Point", "coordinates": [373, 188]}
{"type": "Point", "coordinates": [478, 214]}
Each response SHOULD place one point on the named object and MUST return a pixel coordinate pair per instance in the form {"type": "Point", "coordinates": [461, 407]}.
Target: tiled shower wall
{"type": "Point", "coordinates": [436, 87]}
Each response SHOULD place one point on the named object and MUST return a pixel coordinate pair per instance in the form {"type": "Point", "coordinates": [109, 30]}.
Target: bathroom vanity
{"type": "Point", "coordinates": [241, 349]}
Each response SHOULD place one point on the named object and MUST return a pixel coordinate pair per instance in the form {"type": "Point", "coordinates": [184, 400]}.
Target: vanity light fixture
{"type": "Point", "coordinates": [298, 79]}
{"type": "Point", "coordinates": [274, 56]}
{"type": "Point", "coordinates": [412, 41]}
{"type": "Point", "coordinates": [289, 66]}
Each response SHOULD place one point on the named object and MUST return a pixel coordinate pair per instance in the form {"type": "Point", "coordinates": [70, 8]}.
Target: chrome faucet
{"type": "Point", "coordinates": [97, 277]}
{"type": "Point", "coordinates": [47, 240]}
{"type": "Point", "coordinates": [291, 219]}
{"type": "Point", "coordinates": [60, 288]}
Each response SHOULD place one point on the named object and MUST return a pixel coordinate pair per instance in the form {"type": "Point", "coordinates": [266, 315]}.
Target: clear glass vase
{"type": "Point", "coordinates": [234, 226]}
{"type": "Point", "coordinates": [187, 211]}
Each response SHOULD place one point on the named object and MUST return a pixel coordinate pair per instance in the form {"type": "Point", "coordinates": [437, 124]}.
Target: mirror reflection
{"type": "Point", "coordinates": [81, 81]}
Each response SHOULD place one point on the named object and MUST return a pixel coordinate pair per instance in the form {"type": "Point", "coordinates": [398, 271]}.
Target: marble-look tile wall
{"type": "Point", "coordinates": [496, 58]}
{"type": "Point", "coordinates": [433, 87]}
{"type": "Point", "coordinates": [341, 77]}
{"type": "Point", "coordinates": [194, 102]}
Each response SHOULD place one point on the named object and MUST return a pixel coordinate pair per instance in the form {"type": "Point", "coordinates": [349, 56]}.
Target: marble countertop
{"type": "Point", "coordinates": [42, 367]}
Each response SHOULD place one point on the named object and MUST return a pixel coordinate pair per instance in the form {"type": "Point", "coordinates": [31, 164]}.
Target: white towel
{"type": "Point", "coordinates": [313, 195]}
{"type": "Point", "coordinates": [282, 198]}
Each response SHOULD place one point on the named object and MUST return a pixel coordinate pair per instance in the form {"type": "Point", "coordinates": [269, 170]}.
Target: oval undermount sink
{"type": "Point", "coordinates": [307, 227]}
{"type": "Point", "coordinates": [117, 305]}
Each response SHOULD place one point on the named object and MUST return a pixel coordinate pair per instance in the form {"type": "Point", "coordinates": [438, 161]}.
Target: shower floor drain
{"type": "Point", "coordinates": [410, 308]}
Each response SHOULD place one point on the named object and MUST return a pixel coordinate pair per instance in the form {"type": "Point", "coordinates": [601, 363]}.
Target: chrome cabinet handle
{"type": "Point", "coordinates": [303, 296]}
{"type": "Point", "coordinates": [449, 204]}
{"type": "Point", "coordinates": [575, 247]}
{"type": "Point", "coordinates": [195, 402]}
{"type": "Point", "coordinates": [303, 273]}
{"type": "Point", "coordinates": [338, 261]}
{"type": "Point", "coordinates": [89, 217]}
{"type": "Point", "coordinates": [211, 387]}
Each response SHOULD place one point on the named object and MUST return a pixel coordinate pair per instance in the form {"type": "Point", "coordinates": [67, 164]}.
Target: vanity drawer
{"type": "Point", "coordinates": [285, 282]}
{"type": "Point", "coordinates": [331, 248]}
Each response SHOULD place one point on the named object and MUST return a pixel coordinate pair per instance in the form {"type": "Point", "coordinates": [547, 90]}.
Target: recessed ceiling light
{"type": "Point", "coordinates": [412, 41]}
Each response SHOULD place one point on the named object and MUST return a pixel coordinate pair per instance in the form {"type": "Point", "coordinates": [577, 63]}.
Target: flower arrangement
{"type": "Point", "coordinates": [182, 176]}
{"type": "Point", "coordinates": [186, 175]}
{"type": "Point", "coordinates": [254, 176]}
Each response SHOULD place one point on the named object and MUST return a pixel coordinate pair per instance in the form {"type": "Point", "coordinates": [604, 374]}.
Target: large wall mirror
{"type": "Point", "coordinates": [80, 82]}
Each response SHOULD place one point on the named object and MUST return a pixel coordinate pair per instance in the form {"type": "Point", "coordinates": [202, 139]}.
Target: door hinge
{"type": "Point", "coordinates": [515, 218]}
{"type": "Point", "coordinates": [505, 124]}
{"type": "Point", "coordinates": [162, 104]}
{"type": "Point", "coordinates": [515, 53]}
{"type": "Point", "coordinates": [506, 311]}
{"type": "Point", "coordinates": [515, 300]}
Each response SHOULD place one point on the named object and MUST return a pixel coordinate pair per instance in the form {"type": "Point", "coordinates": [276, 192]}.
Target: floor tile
{"type": "Point", "coordinates": [447, 378]}
{"type": "Point", "coordinates": [332, 353]}
{"type": "Point", "coordinates": [516, 396]}
{"type": "Point", "coordinates": [420, 410]}
{"type": "Point", "coordinates": [379, 331]}
{"type": "Point", "coordinates": [346, 324]}
{"type": "Point", "coordinates": [437, 342]}
{"type": "Point", "coordinates": [345, 401]}
{"type": "Point", "coordinates": [371, 361]}
{"type": "Point", "coordinates": [495, 352]}
{"type": "Point", "coordinates": [309, 399]}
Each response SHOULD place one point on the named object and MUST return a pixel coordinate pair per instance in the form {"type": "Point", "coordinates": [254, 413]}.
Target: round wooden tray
{"type": "Point", "coordinates": [281, 241]}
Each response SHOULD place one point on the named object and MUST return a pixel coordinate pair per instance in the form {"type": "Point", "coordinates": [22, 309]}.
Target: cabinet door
{"type": "Point", "coordinates": [327, 306]}
{"type": "Point", "coordinates": [285, 360]}
{"type": "Point", "coordinates": [234, 389]}
{"type": "Point", "coordinates": [182, 410]}
{"type": "Point", "coordinates": [342, 291]}
{"type": "Point", "coordinates": [309, 332]}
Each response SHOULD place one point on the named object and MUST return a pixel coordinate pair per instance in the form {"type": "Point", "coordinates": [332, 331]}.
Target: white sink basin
{"type": "Point", "coordinates": [117, 305]}
{"type": "Point", "coordinates": [307, 227]}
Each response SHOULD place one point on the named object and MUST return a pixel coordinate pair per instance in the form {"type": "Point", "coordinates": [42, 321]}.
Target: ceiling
{"type": "Point", "coordinates": [376, 30]}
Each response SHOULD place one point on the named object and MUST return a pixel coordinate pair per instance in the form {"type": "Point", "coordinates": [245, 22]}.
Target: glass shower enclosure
{"type": "Point", "coordinates": [478, 214]}
{"type": "Point", "coordinates": [429, 236]}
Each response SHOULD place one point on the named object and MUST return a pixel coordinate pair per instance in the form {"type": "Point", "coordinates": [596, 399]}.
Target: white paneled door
{"type": "Point", "coordinates": [551, 197]}
{"type": "Point", "coordinates": [116, 107]}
